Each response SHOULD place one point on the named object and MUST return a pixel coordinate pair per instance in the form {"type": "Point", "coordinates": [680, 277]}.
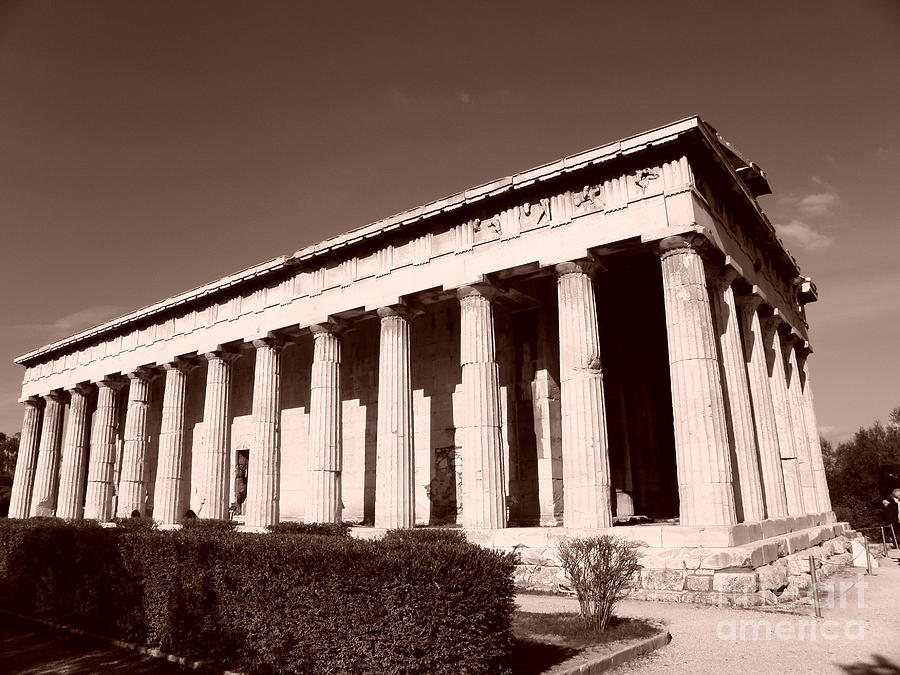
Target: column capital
{"type": "Point", "coordinates": [221, 355]}
{"type": "Point", "coordinates": [58, 395]}
{"type": "Point", "coordinates": [483, 290]}
{"type": "Point", "coordinates": [181, 363]}
{"type": "Point", "coordinates": [405, 311]}
{"type": "Point", "coordinates": [698, 242]}
{"type": "Point", "coordinates": [330, 327]}
{"type": "Point", "coordinates": [749, 302]}
{"type": "Point", "coordinates": [587, 266]}
{"type": "Point", "coordinates": [35, 402]}
{"type": "Point", "coordinates": [271, 341]}
{"type": "Point", "coordinates": [114, 382]}
{"type": "Point", "coordinates": [83, 389]}
{"type": "Point", "coordinates": [770, 324]}
{"type": "Point", "coordinates": [146, 373]}
{"type": "Point", "coordinates": [722, 276]}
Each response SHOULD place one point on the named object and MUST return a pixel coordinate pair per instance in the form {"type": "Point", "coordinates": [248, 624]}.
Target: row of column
{"type": "Point", "coordinates": [741, 401]}
{"type": "Point", "coordinates": [741, 397]}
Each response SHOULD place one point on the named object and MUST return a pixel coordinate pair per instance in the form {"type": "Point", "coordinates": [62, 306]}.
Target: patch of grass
{"type": "Point", "coordinates": [544, 640]}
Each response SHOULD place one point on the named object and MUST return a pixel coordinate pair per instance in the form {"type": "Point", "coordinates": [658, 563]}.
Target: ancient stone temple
{"type": "Point", "coordinates": [617, 338]}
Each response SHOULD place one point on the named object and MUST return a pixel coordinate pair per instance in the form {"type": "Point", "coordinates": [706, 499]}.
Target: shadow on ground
{"type": "Point", "coordinates": [531, 657]}
{"type": "Point", "coordinates": [879, 666]}
{"type": "Point", "coordinates": [26, 649]}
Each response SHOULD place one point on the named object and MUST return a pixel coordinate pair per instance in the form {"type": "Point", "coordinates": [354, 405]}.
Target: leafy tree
{"type": "Point", "coordinates": [863, 471]}
{"type": "Point", "coordinates": [9, 450]}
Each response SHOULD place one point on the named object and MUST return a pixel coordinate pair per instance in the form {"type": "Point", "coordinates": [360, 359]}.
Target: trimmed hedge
{"type": "Point", "coordinates": [270, 603]}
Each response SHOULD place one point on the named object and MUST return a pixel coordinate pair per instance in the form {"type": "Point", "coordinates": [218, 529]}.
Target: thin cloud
{"type": "Point", "coordinates": [464, 97]}
{"type": "Point", "coordinates": [818, 203]}
{"type": "Point", "coordinates": [805, 236]}
{"type": "Point", "coordinates": [71, 323]}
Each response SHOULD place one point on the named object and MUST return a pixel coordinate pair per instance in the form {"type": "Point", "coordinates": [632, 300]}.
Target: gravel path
{"type": "Point", "coordinates": [863, 636]}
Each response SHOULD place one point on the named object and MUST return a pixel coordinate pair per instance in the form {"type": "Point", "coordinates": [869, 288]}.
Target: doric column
{"type": "Point", "coordinates": [547, 427]}
{"type": "Point", "coordinates": [763, 411]}
{"type": "Point", "coordinates": [737, 388]}
{"type": "Point", "coordinates": [799, 427]}
{"type": "Point", "coordinates": [782, 407]}
{"type": "Point", "coordinates": [585, 446]}
{"type": "Point", "coordinates": [394, 463]}
{"type": "Point", "coordinates": [215, 452]}
{"type": "Point", "coordinates": [323, 497]}
{"type": "Point", "coordinates": [823, 498]}
{"type": "Point", "coordinates": [264, 469]}
{"type": "Point", "coordinates": [98, 501]}
{"type": "Point", "coordinates": [168, 508]}
{"type": "Point", "coordinates": [73, 465]}
{"type": "Point", "coordinates": [132, 482]}
{"type": "Point", "coordinates": [483, 481]}
{"type": "Point", "coordinates": [23, 479]}
{"type": "Point", "coordinates": [701, 432]}
{"type": "Point", "coordinates": [46, 474]}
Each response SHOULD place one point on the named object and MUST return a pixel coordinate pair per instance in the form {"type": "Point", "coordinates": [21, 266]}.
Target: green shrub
{"type": "Point", "coordinates": [444, 535]}
{"type": "Point", "coordinates": [600, 569]}
{"type": "Point", "coordinates": [206, 525]}
{"type": "Point", "coordinates": [323, 529]}
{"type": "Point", "coordinates": [275, 603]}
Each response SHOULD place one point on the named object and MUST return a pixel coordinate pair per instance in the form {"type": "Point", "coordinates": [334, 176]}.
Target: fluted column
{"type": "Point", "coordinates": [168, 508]}
{"type": "Point", "coordinates": [98, 501]}
{"type": "Point", "coordinates": [799, 427]}
{"type": "Point", "coordinates": [395, 462]}
{"type": "Point", "coordinates": [132, 481]}
{"type": "Point", "coordinates": [782, 407]}
{"type": "Point", "coordinates": [264, 469]}
{"type": "Point", "coordinates": [763, 411]}
{"type": "Point", "coordinates": [73, 465]}
{"type": "Point", "coordinates": [737, 389]}
{"type": "Point", "coordinates": [323, 497]}
{"type": "Point", "coordinates": [701, 432]}
{"type": "Point", "coordinates": [46, 474]}
{"type": "Point", "coordinates": [29, 441]}
{"type": "Point", "coordinates": [483, 481]}
{"type": "Point", "coordinates": [585, 444]}
{"type": "Point", "coordinates": [215, 453]}
{"type": "Point", "coordinates": [823, 498]}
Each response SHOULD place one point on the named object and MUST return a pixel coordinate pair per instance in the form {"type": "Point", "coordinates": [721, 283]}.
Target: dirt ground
{"type": "Point", "coordinates": [856, 636]}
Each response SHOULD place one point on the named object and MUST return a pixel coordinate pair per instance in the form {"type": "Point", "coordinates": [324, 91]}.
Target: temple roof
{"type": "Point", "coordinates": [748, 178]}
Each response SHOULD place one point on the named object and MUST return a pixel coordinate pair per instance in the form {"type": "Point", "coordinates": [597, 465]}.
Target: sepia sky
{"type": "Point", "coordinates": [149, 147]}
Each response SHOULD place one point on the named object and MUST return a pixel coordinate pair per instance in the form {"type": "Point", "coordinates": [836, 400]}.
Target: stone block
{"type": "Point", "coordinates": [739, 556]}
{"type": "Point", "coordinates": [696, 582]}
{"type": "Point", "coordinates": [539, 556]}
{"type": "Point", "coordinates": [736, 582]}
{"type": "Point", "coordinates": [797, 541]}
{"type": "Point", "coordinates": [677, 536]}
{"type": "Point", "coordinates": [773, 576]}
{"type": "Point", "coordinates": [721, 537]}
{"type": "Point", "coordinates": [774, 527]}
{"type": "Point", "coordinates": [686, 558]}
{"type": "Point", "coordinates": [649, 535]}
{"type": "Point", "coordinates": [663, 580]}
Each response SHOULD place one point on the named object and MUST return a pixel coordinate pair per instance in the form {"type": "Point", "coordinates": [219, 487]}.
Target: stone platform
{"type": "Point", "coordinates": [748, 564]}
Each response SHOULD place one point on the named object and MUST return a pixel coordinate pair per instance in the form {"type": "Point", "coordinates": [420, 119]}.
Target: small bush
{"type": "Point", "coordinates": [600, 569]}
{"type": "Point", "coordinates": [322, 529]}
{"type": "Point", "coordinates": [136, 523]}
{"type": "Point", "coordinates": [427, 535]}
{"type": "Point", "coordinates": [206, 525]}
